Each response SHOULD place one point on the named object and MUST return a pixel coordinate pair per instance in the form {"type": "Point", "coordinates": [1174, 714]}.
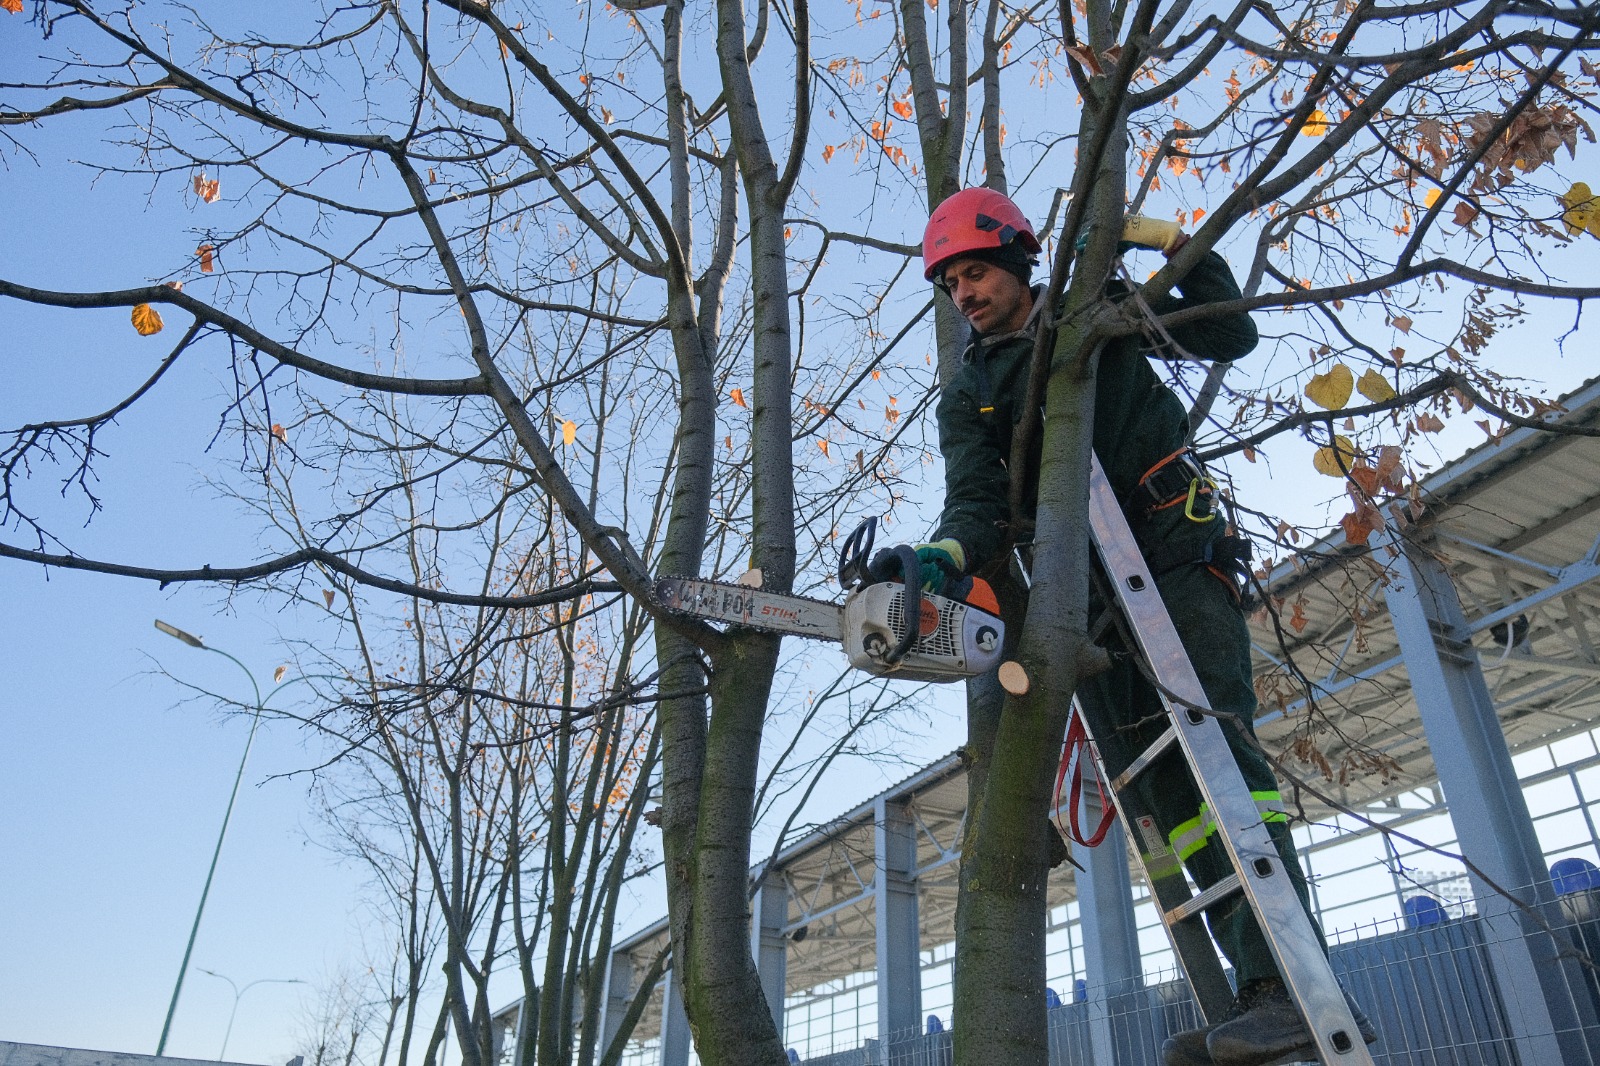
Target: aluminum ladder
{"type": "Point", "coordinates": [1258, 871]}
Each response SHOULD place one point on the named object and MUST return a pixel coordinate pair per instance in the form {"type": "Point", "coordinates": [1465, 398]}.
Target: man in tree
{"type": "Point", "coordinates": [979, 249]}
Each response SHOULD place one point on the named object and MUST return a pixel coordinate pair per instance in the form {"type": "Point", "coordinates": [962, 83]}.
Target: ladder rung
{"type": "Point", "coordinates": [1146, 757]}
{"type": "Point", "coordinates": [1192, 908]}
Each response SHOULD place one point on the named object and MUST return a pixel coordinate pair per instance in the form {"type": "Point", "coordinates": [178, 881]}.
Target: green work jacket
{"type": "Point", "coordinates": [1138, 421]}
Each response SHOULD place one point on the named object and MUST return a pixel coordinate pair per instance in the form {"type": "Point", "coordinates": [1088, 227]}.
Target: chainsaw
{"type": "Point", "coordinates": [940, 637]}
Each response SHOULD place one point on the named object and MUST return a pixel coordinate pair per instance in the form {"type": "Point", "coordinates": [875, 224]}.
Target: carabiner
{"type": "Point", "coordinates": [1194, 492]}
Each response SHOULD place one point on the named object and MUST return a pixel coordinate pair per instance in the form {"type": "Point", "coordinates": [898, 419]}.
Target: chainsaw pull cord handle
{"type": "Point", "coordinates": [911, 601]}
{"type": "Point", "coordinates": [855, 552]}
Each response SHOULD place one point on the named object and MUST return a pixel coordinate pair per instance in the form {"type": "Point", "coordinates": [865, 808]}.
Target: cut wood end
{"type": "Point", "coordinates": [750, 579]}
{"type": "Point", "coordinates": [1013, 678]}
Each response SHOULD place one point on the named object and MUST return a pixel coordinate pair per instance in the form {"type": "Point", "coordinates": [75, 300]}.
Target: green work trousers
{"type": "Point", "coordinates": [1125, 715]}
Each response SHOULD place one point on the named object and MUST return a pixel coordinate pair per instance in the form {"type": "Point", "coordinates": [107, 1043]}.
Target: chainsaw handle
{"type": "Point", "coordinates": [911, 600]}
{"type": "Point", "coordinates": [855, 552]}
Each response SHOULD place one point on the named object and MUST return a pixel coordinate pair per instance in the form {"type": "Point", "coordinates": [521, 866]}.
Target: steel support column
{"type": "Point", "coordinates": [619, 987]}
{"type": "Point", "coordinates": [769, 914]}
{"type": "Point", "coordinates": [894, 888]}
{"type": "Point", "coordinates": [1486, 806]}
{"type": "Point", "coordinates": [674, 1022]}
{"type": "Point", "coordinates": [1110, 947]}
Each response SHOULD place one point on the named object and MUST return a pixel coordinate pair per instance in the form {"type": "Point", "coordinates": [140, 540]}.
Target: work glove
{"type": "Point", "coordinates": [941, 559]}
{"type": "Point", "coordinates": [1141, 232]}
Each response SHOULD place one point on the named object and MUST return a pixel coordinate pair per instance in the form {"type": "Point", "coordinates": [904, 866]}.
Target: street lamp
{"type": "Point", "coordinates": [238, 994]}
{"type": "Point", "coordinates": [227, 815]}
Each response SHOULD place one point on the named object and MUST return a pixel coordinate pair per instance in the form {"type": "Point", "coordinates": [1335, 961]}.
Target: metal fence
{"type": "Point", "coordinates": [1430, 990]}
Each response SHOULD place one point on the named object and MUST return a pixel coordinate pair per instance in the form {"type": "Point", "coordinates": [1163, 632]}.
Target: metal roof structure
{"type": "Point", "coordinates": [1515, 523]}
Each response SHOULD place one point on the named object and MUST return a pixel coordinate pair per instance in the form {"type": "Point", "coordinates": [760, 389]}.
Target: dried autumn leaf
{"type": "Point", "coordinates": [279, 432]}
{"type": "Point", "coordinates": [1432, 197]}
{"type": "Point", "coordinates": [13, 6]}
{"type": "Point", "coordinates": [1402, 323]}
{"type": "Point", "coordinates": [1360, 524]}
{"type": "Point", "coordinates": [1316, 124]}
{"type": "Point", "coordinates": [207, 254]}
{"type": "Point", "coordinates": [1330, 391]}
{"type": "Point", "coordinates": [823, 445]}
{"type": "Point", "coordinates": [207, 189]}
{"type": "Point", "coordinates": [327, 598]}
{"type": "Point", "coordinates": [737, 396]}
{"type": "Point", "coordinates": [827, 153]}
{"type": "Point", "coordinates": [1334, 459]}
{"type": "Point", "coordinates": [1465, 213]}
{"type": "Point", "coordinates": [569, 432]}
{"type": "Point", "coordinates": [277, 675]}
{"type": "Point", "coordinates": [146, 320]}
{"type": "Point", "coordinates": [901, 108]}
{"type": "Point", "coordinates": [1375, 387]}
{"type": "Point", "coordinates": [1297, 617]}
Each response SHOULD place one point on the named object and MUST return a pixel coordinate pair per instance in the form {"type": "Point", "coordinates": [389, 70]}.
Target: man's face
{"type": "Point", "coordinates": [993, 299]}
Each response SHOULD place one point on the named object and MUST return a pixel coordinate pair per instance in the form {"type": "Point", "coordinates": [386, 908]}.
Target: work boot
{"type": "Point", "coordinates": [1267, 1028]}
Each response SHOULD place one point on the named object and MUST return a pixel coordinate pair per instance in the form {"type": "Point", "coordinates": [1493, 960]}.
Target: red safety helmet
{"type": "Point", "coordinates": [970, 221]}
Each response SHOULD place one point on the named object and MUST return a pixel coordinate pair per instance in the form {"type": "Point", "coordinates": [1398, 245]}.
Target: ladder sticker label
{"type": "Point", "coordinates": [1155, 846]}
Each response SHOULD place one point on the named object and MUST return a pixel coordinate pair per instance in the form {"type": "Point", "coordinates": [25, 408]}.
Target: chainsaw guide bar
{"type": "Point", "coordinates": [751, 608]}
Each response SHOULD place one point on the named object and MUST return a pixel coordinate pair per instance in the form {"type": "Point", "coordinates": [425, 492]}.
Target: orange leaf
{"type": "Point", "coordinates": [207, 262]}
{"type": "Point", "coordinates": [737, 396]}
{"type": "Point", "coordinates": [207, 189]}
{"type": "Point", "coordinates": [788, 233]}
{"type": "Point", "coordinates": [569, 431]}
{"type": "Point", "coordinates": [146, 320]}
{"type": "Point", "coordinates": [1297, 618]}
{"type": "Point", "coordinates": [13, 6]}
{"type": "Point", "coordinates": [1199, 213]}
{"type": "Point", "coordinates": [901, 108]}
{"type": "Point", "coordinates": [279, 432]}
{"type": "Point", "coordinates": [1359, 525]}
{"type": "Point", "coordinates": [277, 675]}
{"type": "Point", "coordinates": [823, 445]}
{"type": "Point", "coordinates": [827, 153]}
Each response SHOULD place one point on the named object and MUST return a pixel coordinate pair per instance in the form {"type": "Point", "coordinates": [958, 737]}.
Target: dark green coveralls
{"type": "Point", "coordinates": [1138, 422]}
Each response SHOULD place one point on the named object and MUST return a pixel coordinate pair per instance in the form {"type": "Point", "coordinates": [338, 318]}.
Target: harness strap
{"type": "Point", "coordinates": [1077, 753]}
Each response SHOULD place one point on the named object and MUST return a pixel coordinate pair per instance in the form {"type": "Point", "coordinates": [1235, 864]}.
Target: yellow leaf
{"type": "Point", "coordinates": [1330, 391]}
{"type": "Point", "coordinates": [1581, 208]}
{"type": "Point", "coordinates": [569, 431]}
{"type": "Point", "coordinates": [1335, 463]}
{"type": "Point", "coordinates": [1375, 387]}
{"type": "Point", "coordinates": [1316, 124]}
{"type": "Point", "coordinates": [737, 396]}
{"type": "Point", "coordinates": [146, 320]}
{"type": "Point", "coordinates": [1432, 197]}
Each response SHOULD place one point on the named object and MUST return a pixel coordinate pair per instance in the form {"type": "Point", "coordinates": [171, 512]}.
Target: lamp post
{"type": "Point", "coordinates": [238, 994]}
{"type": "Point", "coordinates": [227, 815]}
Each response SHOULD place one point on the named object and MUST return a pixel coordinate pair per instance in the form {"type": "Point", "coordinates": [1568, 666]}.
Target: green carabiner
{"type": "Point", "coordinates": [1194, 491]}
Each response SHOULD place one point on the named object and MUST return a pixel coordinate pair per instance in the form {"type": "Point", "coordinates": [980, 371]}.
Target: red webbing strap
{"type": "Point", "coordinates": [1074, 755]}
